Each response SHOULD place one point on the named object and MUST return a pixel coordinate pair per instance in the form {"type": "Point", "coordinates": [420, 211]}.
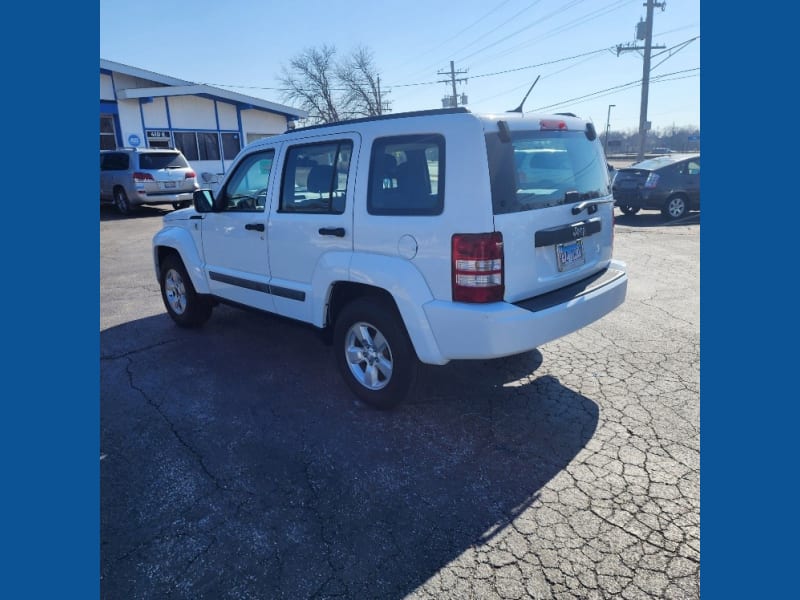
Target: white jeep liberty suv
{"type": "Point", "coordinates": [428, 236]}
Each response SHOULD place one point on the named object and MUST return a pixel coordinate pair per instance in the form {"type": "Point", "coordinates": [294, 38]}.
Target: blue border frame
{"type": "Point", "coordinates": [50, 439]}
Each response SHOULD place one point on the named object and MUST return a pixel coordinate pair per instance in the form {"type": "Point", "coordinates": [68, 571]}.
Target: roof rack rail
{"type": "Point", "coordinates": [400, 115]}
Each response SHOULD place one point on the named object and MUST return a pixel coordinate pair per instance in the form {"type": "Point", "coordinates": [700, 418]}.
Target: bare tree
{"type": "Point", "coordinates": [331, 90]}
{"type": "Point", "coordinates": [309, 81]}
{"type": "Point", "coordinates": [360, 81]}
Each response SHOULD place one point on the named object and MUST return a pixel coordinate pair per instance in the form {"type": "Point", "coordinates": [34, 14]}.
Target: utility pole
{"type": "Point", "coordinates": [647, 36]}
{"type": "Point", "coordinates": [608, 125]}
{"type": "Point", "coordinates": [384, 106]}
{"type": "Point", "coordinates": [452, 73]}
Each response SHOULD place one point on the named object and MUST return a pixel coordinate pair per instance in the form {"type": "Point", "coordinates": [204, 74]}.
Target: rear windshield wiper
{"type": "Point", "coordinates": [586, 200]}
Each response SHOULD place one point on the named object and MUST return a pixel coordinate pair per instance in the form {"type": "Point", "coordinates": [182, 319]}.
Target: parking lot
{"type": "Point", "coordinates": [235, 463]}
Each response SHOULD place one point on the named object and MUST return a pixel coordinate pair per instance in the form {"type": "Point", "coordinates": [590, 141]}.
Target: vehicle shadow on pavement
{"type": "Point", "coordinates": [647, 218]}
{"type": "Point", "coordinates": [109, 213]}
{"type": "Point", "coordinates": [237, 464]}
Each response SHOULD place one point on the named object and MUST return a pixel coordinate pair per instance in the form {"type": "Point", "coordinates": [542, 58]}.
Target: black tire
{"type": "Point", "coordinates": [186, 307]}
{"type": "Point", "coordinates": [676, 207]}
{"type": "Point", "coordinates": [374, 353]}
{"type": "Point", "coordinates": [121, 201]}
{"type": "Point", "coordinates": [180, 205]}
{"type": "Point", "coordinates": [629, 210]}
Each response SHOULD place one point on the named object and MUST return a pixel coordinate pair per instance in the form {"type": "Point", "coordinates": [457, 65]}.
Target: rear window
{"type": "Point", "coordinates": [538, 169]}
{"type": "Point", "coordinates": [162, 160]}
{"type": "Point", "coordinates": [651, 164]}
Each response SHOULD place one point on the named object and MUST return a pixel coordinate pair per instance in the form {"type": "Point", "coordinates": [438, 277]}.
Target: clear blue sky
{"type": "Point", "coordinates": [241, 45]}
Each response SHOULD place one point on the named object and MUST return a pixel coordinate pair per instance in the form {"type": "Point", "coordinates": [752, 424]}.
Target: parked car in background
{"type": "Point", "coordinates": [131, 177]}
{"type": "Point", "coordinates": [669, 183]}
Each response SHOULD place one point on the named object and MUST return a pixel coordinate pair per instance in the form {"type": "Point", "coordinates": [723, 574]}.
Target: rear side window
{"type": "Point", "coordinates": [315, 178]}
{"type": "Point", "coordinates": [537, 169]}
{"type": "Point", "coordinates": [406, 176]}
{"type": "Point", "coordinates": [162, 160]}
{"type": "Point", "coordinates": [117, 161]}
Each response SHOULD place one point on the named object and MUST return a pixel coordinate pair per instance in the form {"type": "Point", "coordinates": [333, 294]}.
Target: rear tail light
{"type": "Point", "coordinates": [550, 124]}
{"type": "Point", "coordinates": [477, 267]}
{"type": "Point", "coordinates": [613, 228]}
{"type": "Point", "coordinates": [652, 180]}
{"type": "Point", "coordinates": [139, 177]}
{"type": "Point", "coordinates": [190, 174]}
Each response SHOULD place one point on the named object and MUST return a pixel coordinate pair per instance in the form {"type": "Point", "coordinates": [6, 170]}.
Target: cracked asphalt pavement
{"type": "Point", "coordinates": [236, 464]}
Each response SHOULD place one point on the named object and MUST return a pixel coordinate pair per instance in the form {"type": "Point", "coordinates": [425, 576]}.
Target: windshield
{"type": "Point", "coordinates": [538, 169]}
{"type": "Point", "coordinates": [162, 160]}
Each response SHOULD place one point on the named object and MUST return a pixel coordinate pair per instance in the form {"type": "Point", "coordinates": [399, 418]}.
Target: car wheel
{"type": "Point", "coordinates": [121, 201]}
{"type": "Point", "coordinates": [675, 207]}
{"type": "Point", "coordinates": [186, 307]}
{"type": "Point", "coordinates": [374, 353]}
{"type": "Point", "coordinates": [180, 205]}
{"type": "Point", "coordinates": [629, 210]}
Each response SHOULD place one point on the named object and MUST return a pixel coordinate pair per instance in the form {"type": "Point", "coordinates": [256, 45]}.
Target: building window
{"type": "Point", "coordinates": [252, 137]}
{"type": "Point", "coordinates": [208, 143]}
{"type": "Point", "coordinates": [198, 145]}
{"type": "Point", "coordinates": [230, 145]}
{"type": "Point", "coordinates": [108, 135]}
{"type": "Point", "coordinates": [186, 142]}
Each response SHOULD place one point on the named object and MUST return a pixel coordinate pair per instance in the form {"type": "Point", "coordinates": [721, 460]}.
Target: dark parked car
{"type": "Point", "coordinates": [669, 183]}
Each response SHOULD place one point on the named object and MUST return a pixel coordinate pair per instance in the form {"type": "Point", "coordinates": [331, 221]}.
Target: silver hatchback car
{"type": "Point", "coordinates": [131, 177]}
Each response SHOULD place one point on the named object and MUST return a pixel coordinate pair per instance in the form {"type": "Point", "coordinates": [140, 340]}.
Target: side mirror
{"type": "Point", "coordinates": [204, 200]}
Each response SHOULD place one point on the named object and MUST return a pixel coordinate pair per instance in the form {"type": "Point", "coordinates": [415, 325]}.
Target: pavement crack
{"type": "Point", "coordinates": [174, 430]}
{"type": "Point", "coordinates": [638, 537]}
{"type": "Point", "coordinates": [136, 350]}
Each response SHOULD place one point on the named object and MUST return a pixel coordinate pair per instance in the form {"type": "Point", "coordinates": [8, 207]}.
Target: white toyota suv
{"type": "Point", "coordinates": [429, 236]}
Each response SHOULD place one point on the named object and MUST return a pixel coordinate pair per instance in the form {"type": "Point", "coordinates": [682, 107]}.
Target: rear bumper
{"type": "Point", "coordinates": [481, 331]}
{"type": "Point", "coordinates": [142, 197]}
{"type": "Point", "coordinates": [638, 199]}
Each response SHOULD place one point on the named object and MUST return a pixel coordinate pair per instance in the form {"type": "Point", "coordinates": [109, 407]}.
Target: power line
{"type": "Point", "coordinates": [658, 78]}
{"type": "Point", "coordinates": [451, 38]}
{"type": "Point", "coordinates": [550, 62]}
{"type": "Point", "coordinates": [560, 10]}
{"type": "Point", "coordinates": [562, 28]}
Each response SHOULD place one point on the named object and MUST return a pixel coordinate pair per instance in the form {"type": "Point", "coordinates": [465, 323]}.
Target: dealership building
{"type": "Point", "coordinates": [209, 125]}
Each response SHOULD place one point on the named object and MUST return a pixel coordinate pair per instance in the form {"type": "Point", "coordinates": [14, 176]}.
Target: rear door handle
{"type": "Point", "coordinates": [254, 226]}
{"type": "Point", "coordinates": [337, 231]}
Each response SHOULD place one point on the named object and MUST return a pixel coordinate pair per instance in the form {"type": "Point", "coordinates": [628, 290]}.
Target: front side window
{"type": "Point", "coordinates": [247, 188]}
{"type": "Point", "coordinates": [539, 169]}
{"type": "Point", "coordinates": [406, 176]}
{"type": "Point", "coordinates": [315, 178]}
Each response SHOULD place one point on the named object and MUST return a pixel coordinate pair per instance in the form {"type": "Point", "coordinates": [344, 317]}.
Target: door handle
{"type": "Point", "coordinates": [337, 231]}
{"type": "Point", "coordinates": [254, 227]}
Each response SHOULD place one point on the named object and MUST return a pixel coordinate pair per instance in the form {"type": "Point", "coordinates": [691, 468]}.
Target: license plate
{"type": "Point", "coordinates": [570, 255]}
{"type": "Point", "coordinates": [169, 184]}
